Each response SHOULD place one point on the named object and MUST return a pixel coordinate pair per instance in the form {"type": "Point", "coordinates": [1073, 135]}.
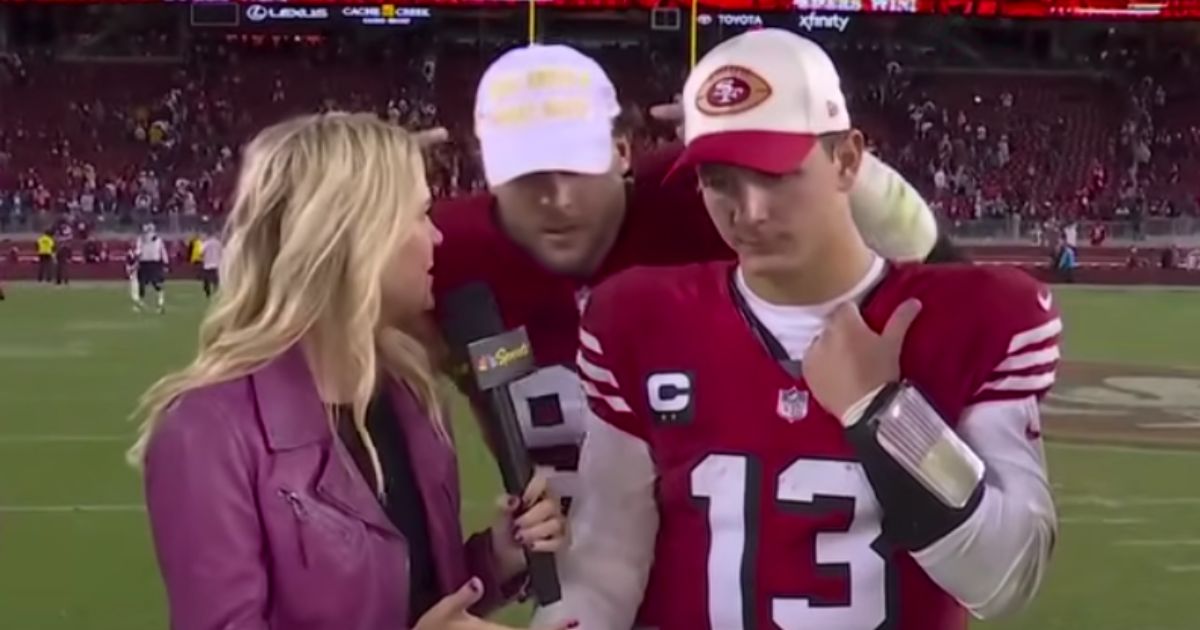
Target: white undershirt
{"type": "Point", "coordinates": [797, 326]}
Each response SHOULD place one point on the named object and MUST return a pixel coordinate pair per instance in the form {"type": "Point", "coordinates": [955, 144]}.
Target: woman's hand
{"type": "Point", "coordinates": [451, 612]}
{"type": "Point", "coordinates": [534, 522]}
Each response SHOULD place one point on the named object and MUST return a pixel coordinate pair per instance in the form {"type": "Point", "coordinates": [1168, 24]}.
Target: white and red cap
{"type": "Point", "coordinates": [544, 108]}
{"type": "Point", "coordinates": [761, 100]}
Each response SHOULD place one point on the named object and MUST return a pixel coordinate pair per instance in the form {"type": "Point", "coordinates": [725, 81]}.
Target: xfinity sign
{"type": "Point", "coordinates": [259, 13]}
{"type": "Point", "coordinates": [816, 22]}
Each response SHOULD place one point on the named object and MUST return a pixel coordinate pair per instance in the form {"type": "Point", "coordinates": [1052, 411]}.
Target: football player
{"type": "Point", "coordinates": [131, 272]}
{"type": "Point", "coordinates": [212, 250]}
{"type": "Point", "coordinates": [569, 205]}
{"type": "Point", "coordinates": [152, 261]}
{"type": "Point", "coordinates": [810, 436]}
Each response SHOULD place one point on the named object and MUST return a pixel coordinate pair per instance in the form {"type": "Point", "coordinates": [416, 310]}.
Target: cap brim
{"type": "Point", "coordinates": [582, 149]}
{"type": "Point", "coordinates": [770, 152]}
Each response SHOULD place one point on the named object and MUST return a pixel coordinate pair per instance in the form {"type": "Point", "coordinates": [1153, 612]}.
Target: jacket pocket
{"type": "Point", "coordinates": [326, 538]}
{"type": "Point", "coordinates": [300, 513]}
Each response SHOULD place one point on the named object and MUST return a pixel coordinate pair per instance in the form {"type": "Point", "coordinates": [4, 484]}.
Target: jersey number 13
{"type": "Point", "coordinates": [730, 485]}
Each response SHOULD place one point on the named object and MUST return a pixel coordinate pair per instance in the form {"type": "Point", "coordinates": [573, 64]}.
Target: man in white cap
{"type": "Point", "coordinates": [809, 436]}
{"type": "Point", "coordinates": [569, 206]}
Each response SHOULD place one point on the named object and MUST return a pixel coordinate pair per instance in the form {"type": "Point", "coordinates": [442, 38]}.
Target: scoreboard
{"type": "Point", "coordinates": [1045, 9]}
{"type": "Point", "coordinates": [793, 21]}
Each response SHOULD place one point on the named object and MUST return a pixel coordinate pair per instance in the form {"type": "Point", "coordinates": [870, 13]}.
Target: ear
{"type": "Point", "coordinates": [848, 158]}
{"type": "Point", "coordinates": [622, 154]}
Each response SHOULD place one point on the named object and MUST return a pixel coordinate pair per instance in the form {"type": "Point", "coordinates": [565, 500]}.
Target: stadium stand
{"type": "Point", "coordinates": [1007, 152]}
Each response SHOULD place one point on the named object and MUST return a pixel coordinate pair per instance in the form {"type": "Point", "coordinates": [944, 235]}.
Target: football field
{"type": "Point", "coordinates": [1124, 428]}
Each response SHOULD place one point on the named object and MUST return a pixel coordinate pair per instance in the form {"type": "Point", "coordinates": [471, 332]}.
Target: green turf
{"type": "Point", "coordinates": [72, 362]}
{"type": "Point", "coordinates": [1131, 326]}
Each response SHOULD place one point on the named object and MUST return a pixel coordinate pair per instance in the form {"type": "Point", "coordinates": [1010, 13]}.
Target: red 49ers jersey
{"type": "Point", "coordinates": [663, 225]}
{"type": "Point", "coordinates": [766, 519]}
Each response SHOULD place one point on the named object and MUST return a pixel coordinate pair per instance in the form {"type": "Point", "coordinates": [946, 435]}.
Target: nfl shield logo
{"type": "Point", "coordinates": [793, 404]}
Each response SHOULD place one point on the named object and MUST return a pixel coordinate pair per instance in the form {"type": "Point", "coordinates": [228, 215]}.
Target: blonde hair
{"type": "Point", "coordinates": [321, 204]}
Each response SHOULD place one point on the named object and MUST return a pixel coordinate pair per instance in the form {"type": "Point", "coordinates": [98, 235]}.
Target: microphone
{"type": "Point", "coordinates": [473, 328]}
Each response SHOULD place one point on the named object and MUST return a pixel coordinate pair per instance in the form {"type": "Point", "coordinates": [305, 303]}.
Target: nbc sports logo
{"type": "Point", "coordinates": [485, 363]}
{"type": "Point", "coordinates": [501, 357]}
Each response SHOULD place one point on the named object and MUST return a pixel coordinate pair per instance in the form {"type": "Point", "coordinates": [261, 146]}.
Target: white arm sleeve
{"type": "Point", "coordinates": [614, 521]}
{"type": "Point", "coordinates": [892, 216]}
{"type": "Point", "coordinates": [993, 563]}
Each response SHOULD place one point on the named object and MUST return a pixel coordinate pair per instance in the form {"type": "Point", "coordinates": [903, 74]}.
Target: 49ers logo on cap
{"type": "Point", "coordinates": [731, 90]}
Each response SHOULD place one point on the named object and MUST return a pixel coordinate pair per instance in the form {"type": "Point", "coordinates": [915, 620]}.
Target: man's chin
{"type": "Point", "coordinates": [772, 265]}
{"type": "Point", "coordinates": [758, 262]}
{"type": "Point", "coordinates": [572, 265]}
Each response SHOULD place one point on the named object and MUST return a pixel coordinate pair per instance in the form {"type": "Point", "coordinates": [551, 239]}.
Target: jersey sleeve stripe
{"type": "Point", "coordinates": [594, 372]}
{"type": "Point", "coordinates": [1047, 356]}
{"type": "Point", "coordinates": [1033, 336]}
{"type": "Point", "coordinates": [1031, 384]}
{"type": "Point", "coordinates": [616, 403]}
{"type": "Point", "coordinates": [589, 341]}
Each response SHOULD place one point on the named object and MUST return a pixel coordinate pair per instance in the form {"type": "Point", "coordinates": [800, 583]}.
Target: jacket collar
{"type": "Point", "coordinates": [293, 416]}
{"type": "Point", "coordinates": [291, 410]}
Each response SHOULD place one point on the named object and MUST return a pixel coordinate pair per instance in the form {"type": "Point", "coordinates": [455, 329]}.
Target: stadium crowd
{"type": "Point", "coordinates": [113, 144]}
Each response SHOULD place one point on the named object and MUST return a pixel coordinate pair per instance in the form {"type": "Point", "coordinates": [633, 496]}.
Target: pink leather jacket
{"type": "Point", "coordinates": [261, 519]}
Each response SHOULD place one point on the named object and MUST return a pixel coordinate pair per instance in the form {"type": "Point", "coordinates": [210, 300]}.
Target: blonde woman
{"type": "Point", "coordinates": [298, 472]}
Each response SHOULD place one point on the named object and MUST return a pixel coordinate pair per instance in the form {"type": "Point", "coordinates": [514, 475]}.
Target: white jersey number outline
{"type": "Point", "coordinates": [731, 484]}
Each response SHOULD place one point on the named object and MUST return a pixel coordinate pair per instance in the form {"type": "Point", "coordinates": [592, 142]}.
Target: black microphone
{"type": "Point", "coordinates": [472, 326]}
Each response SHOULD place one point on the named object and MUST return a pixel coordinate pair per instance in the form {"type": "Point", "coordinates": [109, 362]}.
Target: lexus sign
{"type": "Point", "coordinates": [259, 13]}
